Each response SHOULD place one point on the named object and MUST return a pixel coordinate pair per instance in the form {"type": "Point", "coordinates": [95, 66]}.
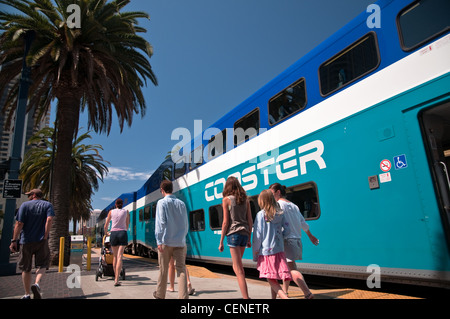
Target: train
{"type": "Point", "coordinates": [358, 130]}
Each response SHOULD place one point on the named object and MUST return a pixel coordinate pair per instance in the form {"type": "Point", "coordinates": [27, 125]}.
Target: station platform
{"type": "Point", "coordinates": [141, 279]}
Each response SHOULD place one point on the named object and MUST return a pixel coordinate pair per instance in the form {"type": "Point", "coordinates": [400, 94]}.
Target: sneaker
{"type": "Point", "coordinates": [36, 291]}
{"type": "Point", "coordinates": [26, 297]}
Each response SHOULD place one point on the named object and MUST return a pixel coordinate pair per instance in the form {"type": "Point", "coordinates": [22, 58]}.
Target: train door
{"type": "Point", "coordinates": [133, 230]}
{"type": "Point", "coordinates": [436, 132]}
{"type": "Point", "coordinates": [133, 224]}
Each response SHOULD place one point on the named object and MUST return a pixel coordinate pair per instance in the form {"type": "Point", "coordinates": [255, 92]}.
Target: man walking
{"type": "Point", "coordinates": [170, 231]}
{"type": "Point", "coordinates": [33, 223]}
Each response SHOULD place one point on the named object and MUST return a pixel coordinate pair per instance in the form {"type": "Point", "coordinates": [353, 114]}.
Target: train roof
{"type": "Point", "coordinates": [127, 199]}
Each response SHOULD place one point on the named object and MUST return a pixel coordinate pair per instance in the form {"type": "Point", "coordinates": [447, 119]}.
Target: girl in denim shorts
{"type": "Point", "coordinates": [237, 225]}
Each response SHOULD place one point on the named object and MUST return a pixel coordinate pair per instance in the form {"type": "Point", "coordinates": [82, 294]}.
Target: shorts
{"type": "Point", "coordinates": [41, 254]}
{"type": "Point", "coordinates": [293, 249]}
{"type": "Point", "coordinates": [237, 240]}
{"type": "Point", "coordinates": [119, 238]}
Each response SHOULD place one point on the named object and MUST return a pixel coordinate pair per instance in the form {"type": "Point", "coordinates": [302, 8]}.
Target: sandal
{"type": "Point", "coordinates": [309, 296]}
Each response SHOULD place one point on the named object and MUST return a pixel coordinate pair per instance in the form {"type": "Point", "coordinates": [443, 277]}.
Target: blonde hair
{"type": "Point", "coordinates": [267, 201]}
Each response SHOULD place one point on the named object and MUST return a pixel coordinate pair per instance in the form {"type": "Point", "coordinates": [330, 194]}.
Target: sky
{"type": "Point", "coordinates": [209, 56]}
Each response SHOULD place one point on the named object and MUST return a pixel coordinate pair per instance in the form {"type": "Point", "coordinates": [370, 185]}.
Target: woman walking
{"type": "Point", "coordinates": [237, 226]}
{"type": "Point", "coordinates": [120, 219]}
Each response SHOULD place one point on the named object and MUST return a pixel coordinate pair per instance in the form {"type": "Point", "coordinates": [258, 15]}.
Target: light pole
{"type": "Point", "coordinates": [7, 268]}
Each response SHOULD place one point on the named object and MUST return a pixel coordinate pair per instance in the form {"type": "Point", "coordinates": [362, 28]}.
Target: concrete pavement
{"type": "Point", "coordinates": [141, 279]}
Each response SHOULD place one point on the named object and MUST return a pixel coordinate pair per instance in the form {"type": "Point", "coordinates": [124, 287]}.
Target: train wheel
{"type": "Point", "coordinates": [153, 254]}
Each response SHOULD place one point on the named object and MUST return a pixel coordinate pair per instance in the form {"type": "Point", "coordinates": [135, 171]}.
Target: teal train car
{"type": "Point", "coordinates": [359, 132]}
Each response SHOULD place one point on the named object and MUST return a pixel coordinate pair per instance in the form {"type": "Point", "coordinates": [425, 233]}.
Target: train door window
{"type": "Point", "coordinates": [436, 130]}
{"type": "Point", "coordinates": [147, 213]}
{"type": "Point", "coordinates": [215, 217]}
{"type": "Point", "coordinates": [246, 127]}
{"type": "Point", "coordinates": [349, 65]}
{"type": "Point", "coordinates": [288, 102]}
{"type": "Point", "coordinates": [254, 206]}
{"type": "Point", "coordinates": [141, 215]}
{"type": "Point", "coordinates": [180, 168]}
{"type": "Point", "coordinates": [197, 220]}
{"type": "Point", "coordinates": [305, 196]}
{"type": "Point", "coordinates": [217, 145]}
{"type": "Point", "coordinates": [196, 158]}
{"type": "Point", "coordinates": [422, 21]}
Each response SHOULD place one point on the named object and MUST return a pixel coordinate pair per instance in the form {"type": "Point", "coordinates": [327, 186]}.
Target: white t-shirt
{"type": "Point", "coordinates": [294, 218]}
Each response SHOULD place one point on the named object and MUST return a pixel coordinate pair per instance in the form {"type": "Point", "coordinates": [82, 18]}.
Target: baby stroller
{"type": "Point", "coordinates": [105, 262]}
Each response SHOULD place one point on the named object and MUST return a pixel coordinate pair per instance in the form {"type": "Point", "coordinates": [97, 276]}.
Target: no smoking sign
{"type": "Point", "coordinates": [385, 165]}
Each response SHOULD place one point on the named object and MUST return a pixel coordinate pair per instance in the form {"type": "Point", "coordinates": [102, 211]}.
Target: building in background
{"type": "Point", "coordinates": [6, 143]}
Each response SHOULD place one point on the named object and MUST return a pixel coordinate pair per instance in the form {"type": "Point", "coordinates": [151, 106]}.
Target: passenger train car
{"type": "Point", "coordinates": [359, 132]}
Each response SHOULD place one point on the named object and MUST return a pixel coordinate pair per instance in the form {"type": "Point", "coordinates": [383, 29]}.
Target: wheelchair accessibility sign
{"type": "Point", "coordinates": [400, 162]}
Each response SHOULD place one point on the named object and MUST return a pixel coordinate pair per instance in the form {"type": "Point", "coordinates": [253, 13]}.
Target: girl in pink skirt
{"type": "Point", "coordinates": [269, 230]}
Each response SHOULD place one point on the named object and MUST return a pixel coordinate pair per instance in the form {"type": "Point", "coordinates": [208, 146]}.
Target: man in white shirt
{"type": "Point", "coordinates": [293, 245]}
{"type": "Point", "coordinates": [170, 231]}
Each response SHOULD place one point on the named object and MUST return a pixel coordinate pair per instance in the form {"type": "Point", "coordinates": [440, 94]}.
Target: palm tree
{"type": "Point", "coordinates": [36, 169]}
{"type": "Point", "coordinates": [87, 168]}
{"type": "Point", "coordinates": [99, 67]}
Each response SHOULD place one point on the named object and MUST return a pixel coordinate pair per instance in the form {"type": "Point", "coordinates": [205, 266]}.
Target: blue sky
{"type": "Point", "coordinates": [208, 57]}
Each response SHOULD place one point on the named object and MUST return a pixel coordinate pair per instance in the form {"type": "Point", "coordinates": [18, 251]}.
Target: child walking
{"type": "Point", "coordinates": [237, 226]}
{"type": "Point", "coordinates": [269, 231]}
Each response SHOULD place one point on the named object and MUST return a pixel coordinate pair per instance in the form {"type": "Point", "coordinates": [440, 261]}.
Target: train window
{"type": "Point", "coordinates": [305, 196]}
{"type": "Point", "coordinates": [141, 215]}
{"type": "Point", "coordinates": [217, 145]}
{"type": "Point", "coordinates": [153, 210]}
{"type": "Point", "coordinates": [349, 65]}
{"type": "Point", "coordinates": [196, 158]}
{"type": "Point", "coordinates": [215, 217]}
{"type": "Point", "coordinates": [246, 127]}
{"type": "Point", "coordinates": [288, 102]}
{"type": "Point", "coordinates": [180, 169]}
{"type": "Point", "coordinates": [254, 206]}
{"type": "Point", "coordinates": [147, 213]}
{"type": "Point", "coordinates": [422, 21]}
{"type": "Point", "coordinates": [167, 173]}
{"type": "Point", "coordinates": [197, 220]}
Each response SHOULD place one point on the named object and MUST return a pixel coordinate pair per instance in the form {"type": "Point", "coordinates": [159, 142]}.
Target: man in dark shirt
{"type": "Point", "coordinates": [34, 220]}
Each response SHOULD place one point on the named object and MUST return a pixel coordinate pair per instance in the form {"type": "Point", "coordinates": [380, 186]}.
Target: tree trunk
{"type": "Point", "coordinates": [67, 125]}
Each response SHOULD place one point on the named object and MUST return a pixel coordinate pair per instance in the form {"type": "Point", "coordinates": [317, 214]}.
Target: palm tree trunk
{"type": "Point", "coordinates": [68, 115]}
